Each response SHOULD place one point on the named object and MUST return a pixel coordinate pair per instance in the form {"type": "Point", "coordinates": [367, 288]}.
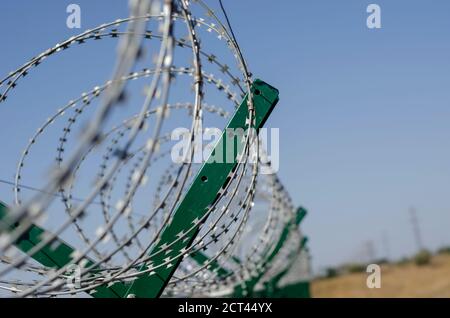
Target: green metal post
{"type": "Point", "coordinates": [214, 265]}
{"type": "Point", "coordinates": [245, 289]}
{"type": "Point", "coordinates": [56, 255]}
{"type": "Point", "coordinates": [202, 193]}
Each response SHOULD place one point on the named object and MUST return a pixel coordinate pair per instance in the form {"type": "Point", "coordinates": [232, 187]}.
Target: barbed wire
{"type": "Point", "coordinates": [129, 163]}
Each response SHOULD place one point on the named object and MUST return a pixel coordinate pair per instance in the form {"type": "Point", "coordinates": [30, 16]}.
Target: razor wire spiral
{"type": "Point", "coordinates": [117, 215]}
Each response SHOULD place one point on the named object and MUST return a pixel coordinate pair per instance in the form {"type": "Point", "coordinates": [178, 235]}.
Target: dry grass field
{"type": "Point", "coordinates": [406, 280]}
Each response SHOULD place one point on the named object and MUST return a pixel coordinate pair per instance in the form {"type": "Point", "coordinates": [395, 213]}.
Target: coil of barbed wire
{"type": "Point", "coordinates": [113, 186]}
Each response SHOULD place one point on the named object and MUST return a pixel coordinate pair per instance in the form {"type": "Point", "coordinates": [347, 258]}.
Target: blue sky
{"type": "Point", "coordinates": [363, 115]}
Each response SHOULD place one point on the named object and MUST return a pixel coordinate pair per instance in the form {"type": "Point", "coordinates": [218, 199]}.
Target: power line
{"type": "Point", "coordinates": [39, 190]}
{"type": "Point", "coordinates": [134, 214]}
{"type": "Point", "coordinates": [234, 37]}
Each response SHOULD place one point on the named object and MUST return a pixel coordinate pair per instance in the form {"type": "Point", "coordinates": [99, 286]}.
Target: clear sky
{"type": "Point", "coordinates": [364, 114]}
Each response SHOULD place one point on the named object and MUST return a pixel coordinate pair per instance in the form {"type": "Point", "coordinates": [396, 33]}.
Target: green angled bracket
{"type": "Point", "coordinates": [213, 265]}
{"type": "Point", "coordinates": [246, 288]}
{"type": "Point", "coordinates": [296, 290]}
{"type": "Point", "coordinates": [56, 255]}
{"type": "Point", "coordinates": [201, 194]}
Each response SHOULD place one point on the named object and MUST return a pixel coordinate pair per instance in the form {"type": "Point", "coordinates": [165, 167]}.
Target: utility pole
{"type": "Point", "coordinates": [416, 228]}
{"type": "Point", "coordinates": [386, 245]}
{"type": "Point", "coordinates": [369, 247]}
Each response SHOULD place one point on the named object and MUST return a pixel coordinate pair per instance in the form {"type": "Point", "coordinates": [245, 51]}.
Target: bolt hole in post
{"type": "Point", "coordinates": [204, 179]}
